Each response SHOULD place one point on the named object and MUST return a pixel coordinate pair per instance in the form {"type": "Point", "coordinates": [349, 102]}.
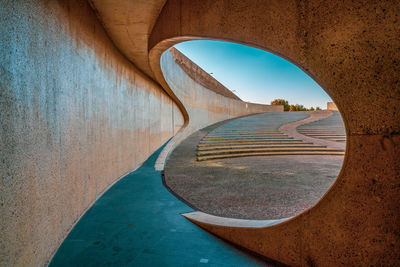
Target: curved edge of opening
{"type": "Point", "coordinates": [199, 216]}
{"type": "Point", "coordinates": [155, 52]}
{"type": "Point", "coordinates": [157, 48]}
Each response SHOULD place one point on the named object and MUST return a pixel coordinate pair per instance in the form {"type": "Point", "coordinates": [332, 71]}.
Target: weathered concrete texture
{"type": "Point", "coordinates": [129, 24]}
{"type": "Point", "coordinates": [75, 116]}
{"type": "Point", "coordinates": [58, 52]}
{"type": "Point", "coordinates": [351, 48]}
{"type": "Point", "coordinates": [339, 229]}
{"type": "Point", "coordinates": [199, 75]}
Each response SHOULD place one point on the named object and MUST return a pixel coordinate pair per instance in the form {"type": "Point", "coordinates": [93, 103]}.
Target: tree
{"type": "Point", "coordinates": [298, 107]}
{"type": "Point", "coordinates": [287, 107]}
{"type": "Point", "coordinates": [281, 102]}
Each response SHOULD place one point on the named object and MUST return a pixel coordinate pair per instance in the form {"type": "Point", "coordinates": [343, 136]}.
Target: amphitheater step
{"type": "Point", "coordinates": [299, 145]}
{"type": "Point", "coordinates": [201, 158]}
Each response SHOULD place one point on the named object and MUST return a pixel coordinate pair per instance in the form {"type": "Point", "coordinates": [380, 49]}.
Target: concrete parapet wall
{"type": "Point", "coordinates": [199, 75]}
{"type": "Point", "coordinates": [203, 105]}
{"type": "Point", "coordinates": [353, 54]}
{"type": "Point", "coordinates": [75, 116]}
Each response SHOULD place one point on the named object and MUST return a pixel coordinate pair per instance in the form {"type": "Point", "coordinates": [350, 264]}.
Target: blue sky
{"type": "Point", "coordinates": [253, 74]}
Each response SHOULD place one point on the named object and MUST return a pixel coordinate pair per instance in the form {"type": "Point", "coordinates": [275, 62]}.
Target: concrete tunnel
{"type": "Point", "coordinates": [84, 102]}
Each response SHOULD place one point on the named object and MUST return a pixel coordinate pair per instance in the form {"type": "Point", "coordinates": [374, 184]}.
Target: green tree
{"type": "Point", "coordinates": [300, 107]}
{"type": "Point", "coordinates": [317, 108]}
{"type": "Point", "coordinates": [311, 109]}
{"type": "Point", "coordinates": [281, 102]}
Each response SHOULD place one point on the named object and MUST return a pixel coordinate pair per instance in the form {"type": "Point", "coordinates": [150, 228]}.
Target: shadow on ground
{"type": "Point", "coordinates": [137, 222]}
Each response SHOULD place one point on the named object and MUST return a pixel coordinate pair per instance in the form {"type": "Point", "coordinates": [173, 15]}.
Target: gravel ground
{"type": "Point", "coordinates": [249, 187]}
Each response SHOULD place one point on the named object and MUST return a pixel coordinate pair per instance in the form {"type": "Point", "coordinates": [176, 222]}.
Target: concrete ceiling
{"type": "Point", "coordinates": [129, 24]}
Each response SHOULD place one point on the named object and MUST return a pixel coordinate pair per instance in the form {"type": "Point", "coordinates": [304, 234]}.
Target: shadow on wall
{"type": "Point", "coordinates": [346, 48]}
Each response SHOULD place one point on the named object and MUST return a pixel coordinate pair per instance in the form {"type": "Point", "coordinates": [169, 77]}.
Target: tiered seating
{"type": "Point", "coordinates": [331, 128]}
{"type": "Point", "coordinates": [257, 135]}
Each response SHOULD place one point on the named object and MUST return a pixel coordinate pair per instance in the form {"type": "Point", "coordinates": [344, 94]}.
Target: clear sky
{"type": "Point", "coordinates": [253, 74]}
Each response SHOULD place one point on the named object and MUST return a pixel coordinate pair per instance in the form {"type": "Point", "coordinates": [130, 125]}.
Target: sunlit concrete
{"type": "Point", "coordinates": [351, 49]}
{"type": "Point", "coordinates": [129, 24]}
{"type": "Point", "coordinates": [76, 116]}
{"type": "Point", "coordinates": [66, 137]}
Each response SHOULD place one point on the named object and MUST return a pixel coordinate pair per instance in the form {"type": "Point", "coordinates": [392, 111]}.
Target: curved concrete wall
{"type": "Point", "coordinates": [203, 105]}
{"type": "Point", "coordinates": [351, 49]}
{"type": "Point", "coordinates": [75, 116]}
{"type": "Point", "coordinates": [64, 137]}
{"type": "Point", "coordinates": [199, 75]}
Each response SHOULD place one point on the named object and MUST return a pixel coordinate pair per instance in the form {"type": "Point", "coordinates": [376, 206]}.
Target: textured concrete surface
{"type": "Point", "coordinates": [129, 24]}
{"type": "Point", "coordinates": [351, 48]}
{"type": "Point", "coordinates": [119, 230]}
{"type": "Point", "coordinates": [75, 116]}
{"type": "Point", "coordinates": [258, 188]}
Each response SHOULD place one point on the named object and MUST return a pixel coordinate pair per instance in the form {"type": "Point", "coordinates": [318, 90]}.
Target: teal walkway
{"type": "Point", "coordinates": [137, 222]}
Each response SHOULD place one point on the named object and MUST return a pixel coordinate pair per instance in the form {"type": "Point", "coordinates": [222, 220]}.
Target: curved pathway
{"type": "Point", "coordinates": [317, 118]}
{"type": "Point", "coordinates": [330, 128]}
{"type": "Point", "coordinates": [137, 222]}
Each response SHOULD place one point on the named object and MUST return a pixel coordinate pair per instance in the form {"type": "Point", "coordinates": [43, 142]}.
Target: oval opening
{"type": "Point", "coordinates": [271, 143]}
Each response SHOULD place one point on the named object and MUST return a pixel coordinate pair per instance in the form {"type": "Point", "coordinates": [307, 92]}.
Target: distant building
{"type": "Point", "coordinates": [331, 106]}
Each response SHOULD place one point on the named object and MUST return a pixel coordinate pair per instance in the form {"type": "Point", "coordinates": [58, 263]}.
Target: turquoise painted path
{"type": "Point", "coordinates": [137, 222]}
